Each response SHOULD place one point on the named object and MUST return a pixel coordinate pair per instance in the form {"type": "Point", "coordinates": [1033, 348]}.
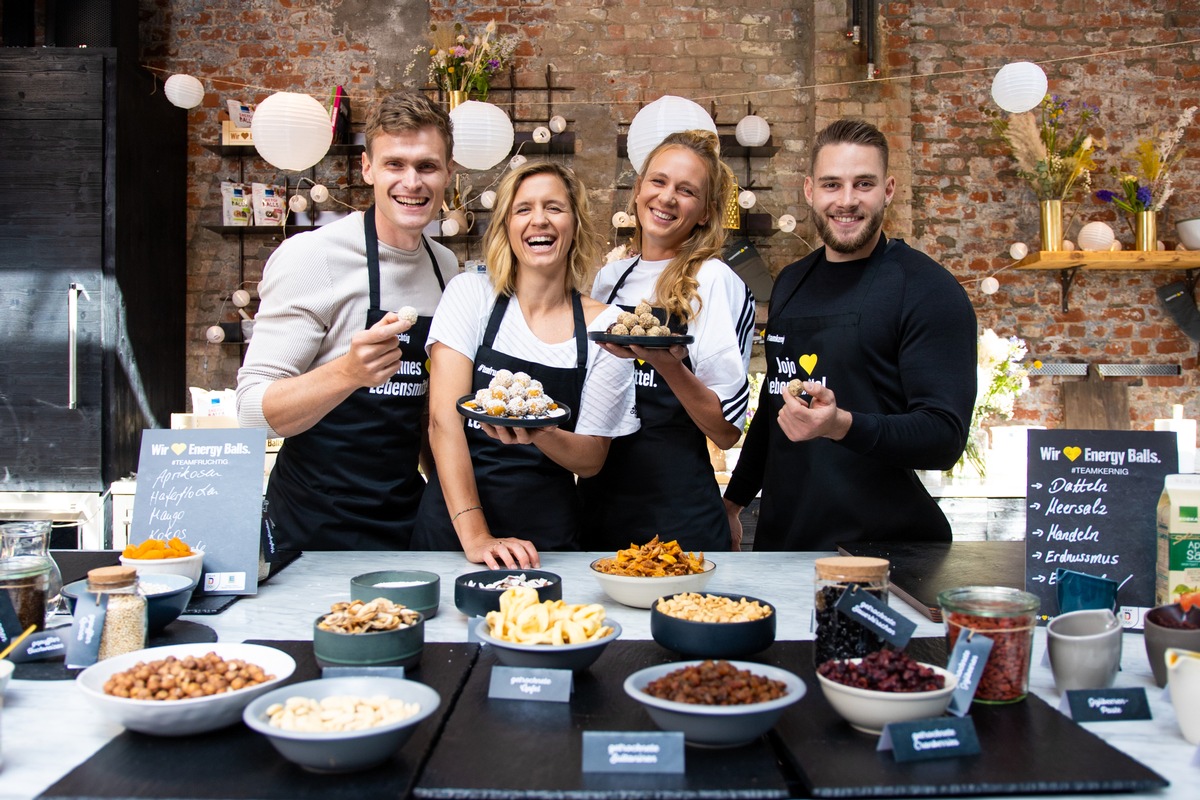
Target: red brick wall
{"type": "Point", "coordinates": [959, 198]}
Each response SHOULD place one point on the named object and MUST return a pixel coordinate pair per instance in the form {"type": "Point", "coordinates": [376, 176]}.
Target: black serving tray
{"type": "Point", "coordinates": [236, 763]}
{"type": "Point", "coordinates": [526, 749]}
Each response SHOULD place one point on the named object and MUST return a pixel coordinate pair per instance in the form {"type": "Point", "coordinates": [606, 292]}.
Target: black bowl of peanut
{"type": "Point", "coordinates": [713, 624]}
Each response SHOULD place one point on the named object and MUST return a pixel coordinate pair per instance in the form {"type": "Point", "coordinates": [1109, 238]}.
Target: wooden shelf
{"type": "Point", "coordinates": [759, 225]}
{"type": "Point", "coordinates": [729, 148]}
{"type": "Point", "coordinates": [249, 150]}
{"type": "Point", "coordinates": [286, 230]}
{"type": "Point", "coordinates": [1068, 263]}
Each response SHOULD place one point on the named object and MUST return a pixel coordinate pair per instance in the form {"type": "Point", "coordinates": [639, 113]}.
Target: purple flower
{"type": "Point", "coordinates": [493, 64]}
{"type": "Point", "coordinates": [1143, 195]}
{"type": "Point", "coordinates": [459, 51]}
{"type": "Point", "coordinates": [1105, 196]}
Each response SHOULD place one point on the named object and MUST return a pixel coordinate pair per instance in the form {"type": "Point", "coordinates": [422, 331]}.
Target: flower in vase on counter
{"type": "Point", "coordinates": [1150, 188]}
{"type": "Point", "coordinates": [461, 62]}
{"type": "Point", "coordinates": [1002, 377]}
{"type": "Point", "coordinates": [1050, 157]}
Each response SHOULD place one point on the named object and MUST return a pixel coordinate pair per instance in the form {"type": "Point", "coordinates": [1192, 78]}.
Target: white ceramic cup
{"type": "Point", "coordinates": [1183, 680]}
{"type": "Point", "coordinates": [1085, 649]}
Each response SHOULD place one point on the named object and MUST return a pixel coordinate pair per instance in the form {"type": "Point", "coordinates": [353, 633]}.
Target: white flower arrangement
{"type": "Point", "coordinates": [1001, 379]}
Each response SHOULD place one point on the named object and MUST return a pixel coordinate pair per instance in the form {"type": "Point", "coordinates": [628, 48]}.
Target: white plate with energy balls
{"type": "Point", "coordinates": [513, 400]}
{"type": "Point", "coordinates": [649, 342]}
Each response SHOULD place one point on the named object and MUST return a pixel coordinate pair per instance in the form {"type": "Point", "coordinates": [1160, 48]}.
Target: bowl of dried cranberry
{"type": "Point", "coordinates": [885, 687]}
{"type": "Point", "coordinates": [715, 703]}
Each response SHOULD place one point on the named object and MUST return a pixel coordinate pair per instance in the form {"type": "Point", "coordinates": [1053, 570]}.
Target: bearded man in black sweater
{"type": "Point", "coordinates": [883, 340]}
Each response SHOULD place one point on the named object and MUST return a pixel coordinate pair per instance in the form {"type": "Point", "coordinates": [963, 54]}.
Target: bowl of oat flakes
{"type": "Point", "coordinates": [166, 597]}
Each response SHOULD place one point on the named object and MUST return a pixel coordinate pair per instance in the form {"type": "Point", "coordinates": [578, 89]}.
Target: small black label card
{"type": "Point", "coordinates": [927, 739]}
{"type": "Point", "coordinates": [83, 645]}
{"type": "Point", "coordinates": [41, 646]}
{"type": "Point", "coordinates": [970, 654]}
{"type": "Point", "coordinates": [527, 683]}
{"type": "Point", "coordinates": [633, 751]}
{"type": "Point", "coordinates": [355, 672]}
{"type": "Point", "coordinates": [876, 616]}
{"type": "Point", "coordinates": [1105, 705]}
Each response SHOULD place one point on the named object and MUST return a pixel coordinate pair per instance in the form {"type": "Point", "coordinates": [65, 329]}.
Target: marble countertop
{"type": "Point", "coordinates": [47, 728]}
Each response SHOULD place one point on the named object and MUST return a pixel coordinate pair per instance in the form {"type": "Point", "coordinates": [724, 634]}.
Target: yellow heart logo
{"type": "Point", "coordinates": [178, 448]}
{"type": "Point", "coordinates": [1072, 452]}
{"type": "Point", "coordinates": [808, 363]}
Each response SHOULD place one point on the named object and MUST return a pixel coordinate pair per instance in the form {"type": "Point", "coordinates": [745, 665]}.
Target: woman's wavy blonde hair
{"type": "Point", "coordinates": [584, 253]}
{"type": "Point", "coordinates": [677, 287]}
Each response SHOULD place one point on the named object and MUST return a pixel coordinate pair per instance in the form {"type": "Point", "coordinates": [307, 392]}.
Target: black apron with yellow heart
{"type": "Point", "coordinates": [524, 493]}
{"type": "Point", "coordinates": [658, 481]}
{"type": "Point", "coordinates": [350, 482]}
{"type": "Point", "coordinates": [818, 493]}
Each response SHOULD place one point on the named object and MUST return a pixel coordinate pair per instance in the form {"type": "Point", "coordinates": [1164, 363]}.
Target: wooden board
{"type": "Point", "coordinates": [1095, 404]}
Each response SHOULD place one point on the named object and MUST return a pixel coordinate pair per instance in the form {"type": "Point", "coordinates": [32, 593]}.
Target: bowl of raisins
{"type": "Point", "coordinates": [885, 687]}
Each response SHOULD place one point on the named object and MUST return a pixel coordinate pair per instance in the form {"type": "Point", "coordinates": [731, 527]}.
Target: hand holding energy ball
{"type": "Point", "coordinates": [816, 418]}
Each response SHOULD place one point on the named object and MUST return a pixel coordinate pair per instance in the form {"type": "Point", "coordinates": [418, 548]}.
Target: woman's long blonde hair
{"type": "Point", "coordinates": [677, 287]}
{"type": "Point", "coordinates": [585, 248]}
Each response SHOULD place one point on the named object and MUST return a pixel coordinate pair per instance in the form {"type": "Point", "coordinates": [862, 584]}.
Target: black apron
{"type": "Point", "coordinates": [817, 493]}
{"type": "Point", "coordinates": [350, 482]}
{"type": "Point", "coordinates": [523, 492]}
{"type": "Point", "coordinates": [658, 481]}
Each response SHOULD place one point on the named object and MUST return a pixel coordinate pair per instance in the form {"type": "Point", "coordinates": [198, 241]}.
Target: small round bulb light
{"type": "Point", "coordinates": [989, 285]}
{"type": "Point", "coordinates": [1018, 250]}
{"type": "Point", "coordinates": [541, 134]}
{"type": "Point", "coordinates": [319, 193]}
{"type": "Point", "coordinates": [488, 199]}
{"type": "Point", "coordinates": [215, 334]}
{"type": "Point", "coordinates": [298, 203]}
{"type": "Point", "coordinates": [558, 123]}
{"type": "Point", "coordinates": [787, 223]}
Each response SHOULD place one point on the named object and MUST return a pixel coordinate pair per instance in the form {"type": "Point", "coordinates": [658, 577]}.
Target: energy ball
{"type": "Point", "coordinates": [795, 387]}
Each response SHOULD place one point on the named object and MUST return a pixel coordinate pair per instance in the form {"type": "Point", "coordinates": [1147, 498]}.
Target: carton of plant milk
{"type": "Point", "coordinates": [1178, 571]}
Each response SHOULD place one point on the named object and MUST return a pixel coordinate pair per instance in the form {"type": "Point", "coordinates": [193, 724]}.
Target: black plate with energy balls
{"type": "Point", "coordinates": [653, 342]}
{"type": "Point", "coordinates": [556, 417]}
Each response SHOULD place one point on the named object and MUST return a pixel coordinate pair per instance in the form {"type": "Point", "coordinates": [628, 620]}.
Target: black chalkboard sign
{"type": "Point", "coordinates": [205, 487]}
{"type": "Point", "coordinates": [1091, 505]}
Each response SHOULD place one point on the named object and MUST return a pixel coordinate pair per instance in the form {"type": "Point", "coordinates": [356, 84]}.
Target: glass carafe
{"type": "Point", "coordinates": [27, 544]}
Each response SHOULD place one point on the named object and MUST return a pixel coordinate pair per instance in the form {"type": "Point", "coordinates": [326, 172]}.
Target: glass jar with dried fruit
{"type": "Point", "coordinates": [1006, 616]}
{"type": "Point", "coordinates": [839, 636]}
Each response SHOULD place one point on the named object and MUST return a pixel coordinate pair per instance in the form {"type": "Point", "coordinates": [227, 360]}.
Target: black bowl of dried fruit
{"type": "Point", "coordinates": [885, 687]}
{"type": "Point", "coordinates": [712, 624]}
{"type": "Point", "coordinates": [715, 703]}
{"type": "Point", "coordinates": [477, 593]}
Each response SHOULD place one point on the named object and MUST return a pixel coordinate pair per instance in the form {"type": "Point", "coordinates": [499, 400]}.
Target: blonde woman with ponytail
{"type": "Point", "coordinates": [659, 481]}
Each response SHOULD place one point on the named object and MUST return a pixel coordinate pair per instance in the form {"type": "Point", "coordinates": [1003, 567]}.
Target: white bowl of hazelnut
{"type": "Point", "coordinates": [183, 689]}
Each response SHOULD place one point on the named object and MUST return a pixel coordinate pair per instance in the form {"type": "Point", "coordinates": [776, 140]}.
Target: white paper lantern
{"type": "Point", "coordinates": [240, 298]}
{"type": "Point", "coordinates": [1019, 86]}
{"type": "Point", "coordinates": [666, 115]}
{"type": "Point", "coordinates": [487, 199]}
{"type": "Point", "coordinates": [1096, 236]}
{"type": "Point", "coordinates": [541, 134]}
{"type": "Point", "coordinates": [483, 134]}
{"type": "Point", "coordinates": [752, 131]}
{"type": "Point", "coordinates": [319, 193]}
{"type": "Point", "coordinates": [558, 123]}
{"type": "Point", "coordinates": [517, 161]}
{"type": "Point", "coordinates": [184, 91]}
{"type": "Point", "coordinates": [215, 334]}
{"type": "Point", "coordinates": [291, 131]}
{"type": "Point", "coordinates": [621, 220]}
{"type": "Point", "coordinates": [298, 203]}
{"type": "Point", "coordinates": [450, 227]}
{"type": "Point", "coordinates": [989, 285]}
{"type": "Point", "coordinates": [746, 199]}
{"type": "Point", "coordinates": [787, 223]}
{"type": "Point", "coordinates": [1018, 250]}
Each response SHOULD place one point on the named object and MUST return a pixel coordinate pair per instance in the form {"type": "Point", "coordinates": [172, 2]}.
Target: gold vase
{"type": "Point", "coordinates": [1145, 231]}
{"type": "Point", "coordinates": [455, 99]}
{"type": "Point", "coordinates": [1051, 225]}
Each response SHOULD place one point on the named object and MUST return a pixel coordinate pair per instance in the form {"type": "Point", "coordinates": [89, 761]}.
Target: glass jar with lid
{"type": "Point", "coordinates": [838, 636]}
{"type": "Point", "coordinates": [125, 615]}
{"type": "Point", "coordinates": [1008, 617]}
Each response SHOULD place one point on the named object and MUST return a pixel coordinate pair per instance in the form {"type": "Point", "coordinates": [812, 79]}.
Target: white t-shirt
{"type": "Point", "coordinates": [723, 330]}
{"type": "Point", "coordinates": [607, 404]}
